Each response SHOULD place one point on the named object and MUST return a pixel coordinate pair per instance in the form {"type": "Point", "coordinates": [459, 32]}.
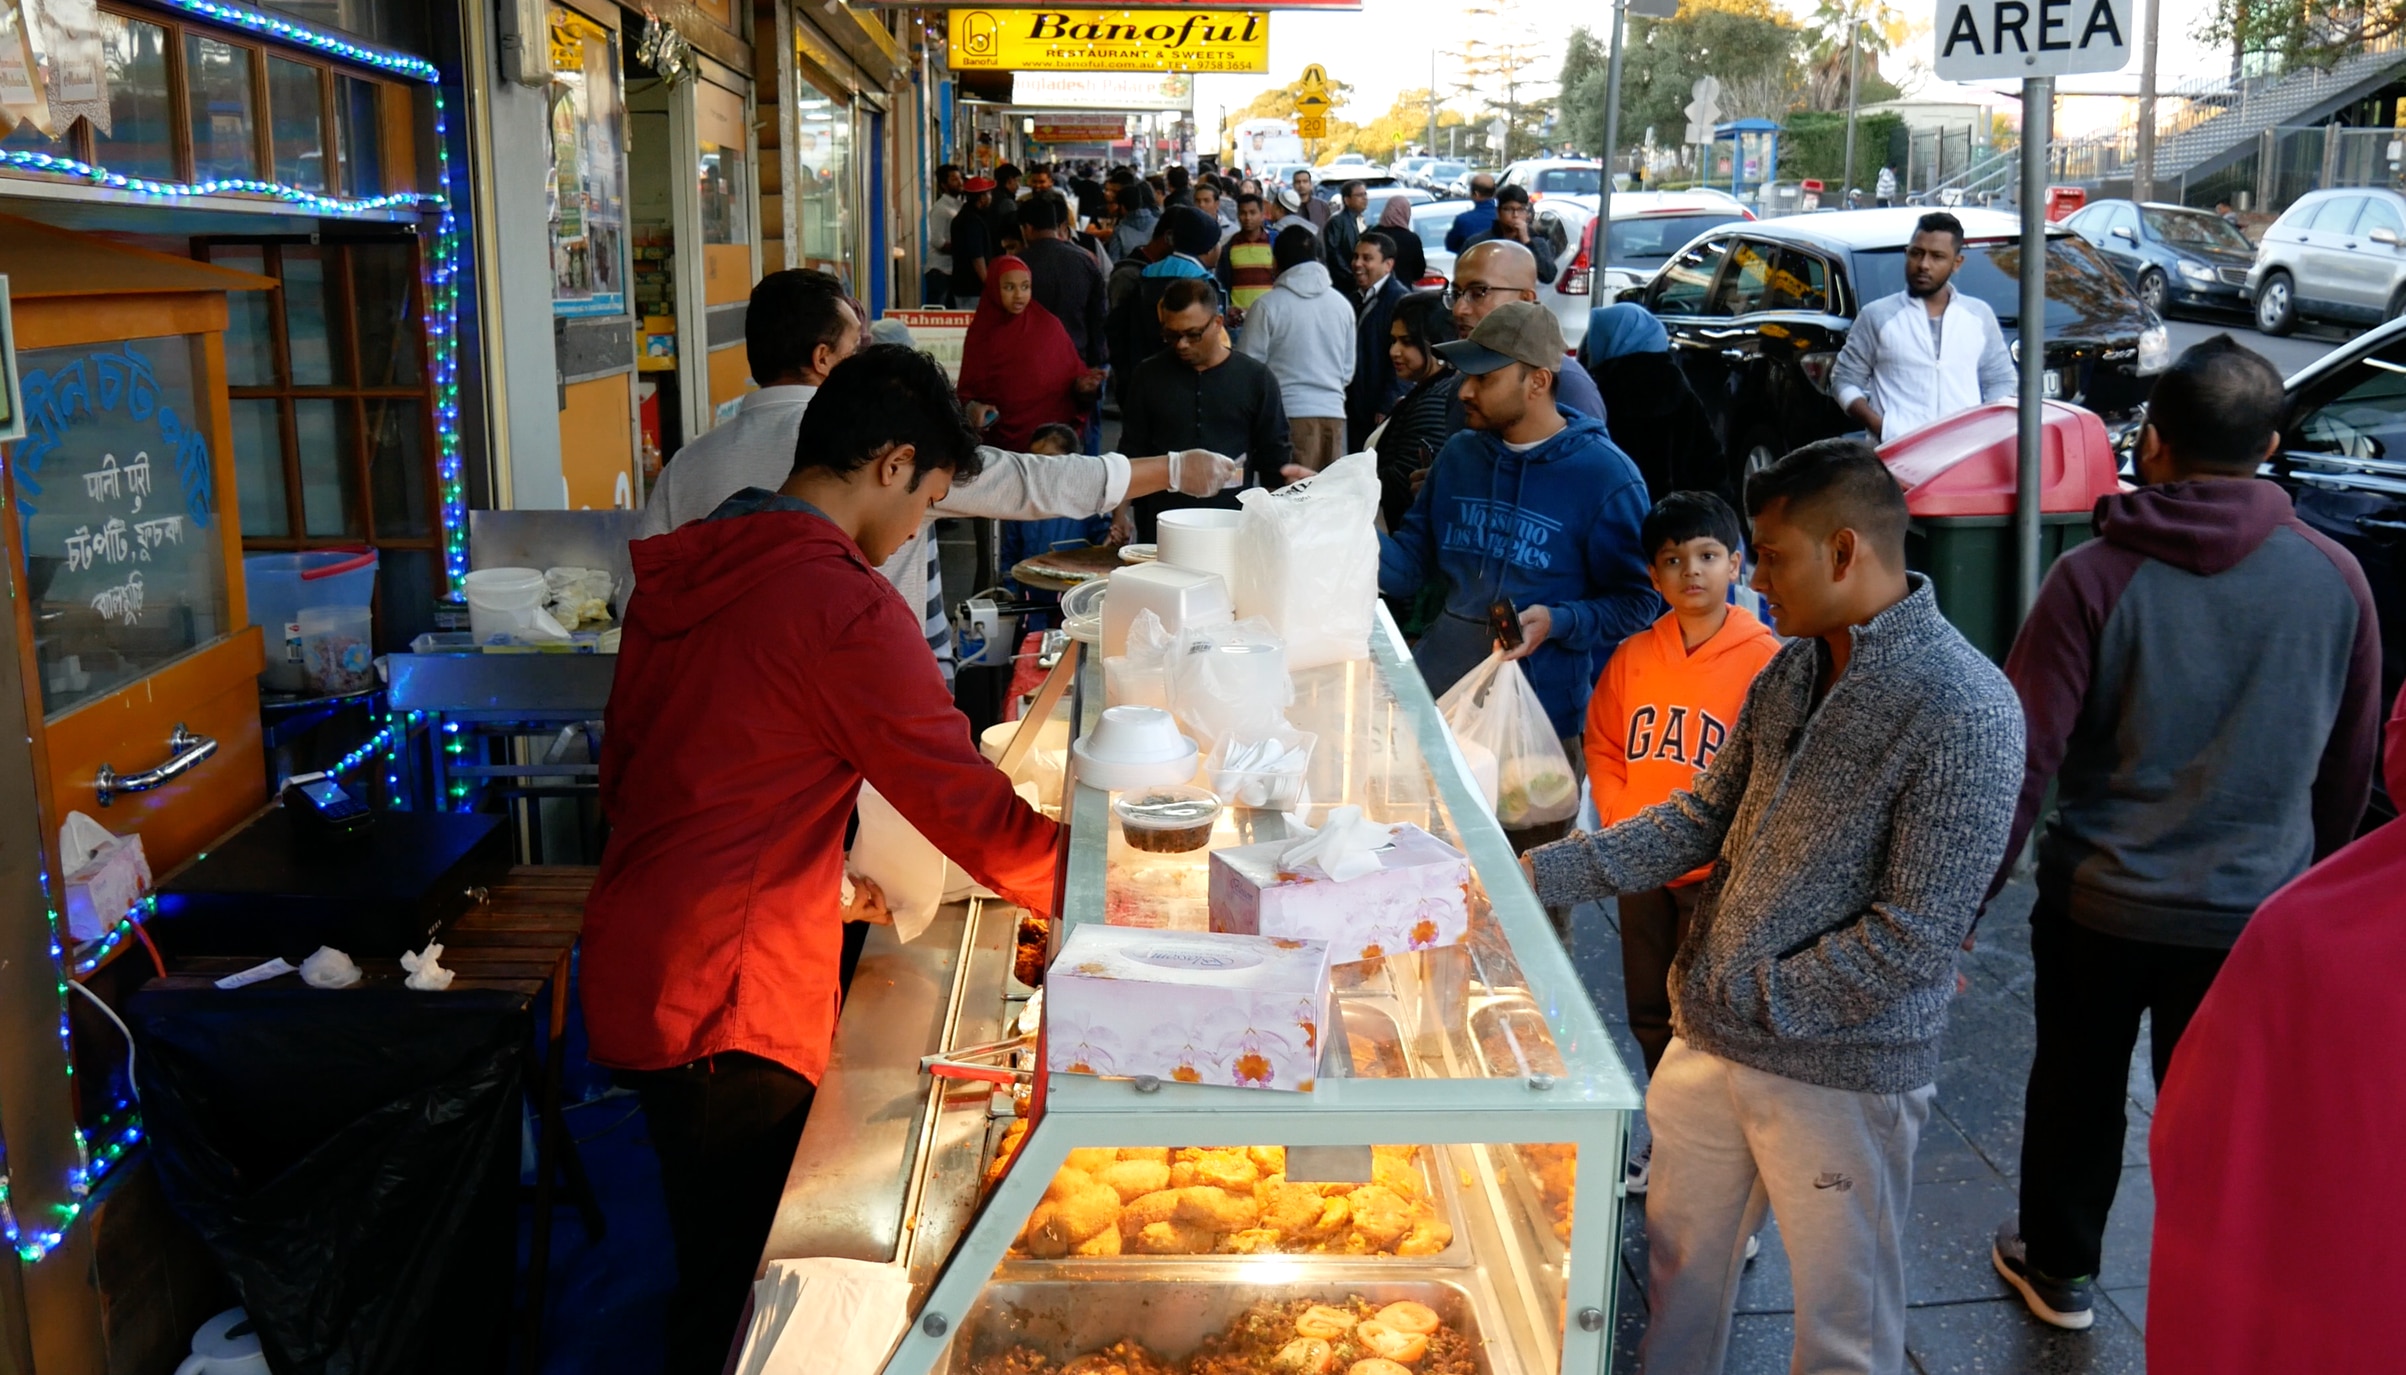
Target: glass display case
{"type": "Point", "coordinates": [1419, 1205]}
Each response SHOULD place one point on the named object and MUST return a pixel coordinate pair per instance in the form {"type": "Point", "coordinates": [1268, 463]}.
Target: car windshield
{"type": "Point", "coordinates": [2196, 229]}
{"type": "Point", "coordinates": [1653, 238]}
{"type": "Point", "coordinates": [1432, 226]}
{"type": "Point", "coordinates": [2081, 288]}
{"type": "Point", "coordinates": [1447, 171]}
{"type": "Point", "coordinates": [1569, 181]}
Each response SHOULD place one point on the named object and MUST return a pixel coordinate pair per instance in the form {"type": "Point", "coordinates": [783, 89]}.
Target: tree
{"type": "Point", "coordinates": [1878, 30]}
{"type": "Point", "coordinates": [1405, 123]}
{"type": "Point", "coordinates": [1753, 47]}
{"type": "Point", "coordinates": [1279, 102]}
{"type": "Point", "coordinates": [1499, 55]}
{"type": "Point", "coordinates": [1586, 76]}
{"type": "Point", "coordinates": [2291, 33]}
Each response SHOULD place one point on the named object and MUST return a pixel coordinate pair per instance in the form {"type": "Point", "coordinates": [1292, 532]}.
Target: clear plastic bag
{"type": "Point", "coordinates": [1140, 677]}
{"type": "Point", "coordinates": [1494, 707]}
{"type": "Point", "coordinates": [1307, 561]}
{"type": "Point", "coordinates": [1227, 678]}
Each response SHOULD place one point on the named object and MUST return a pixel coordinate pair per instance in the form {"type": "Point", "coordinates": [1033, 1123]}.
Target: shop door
{"type": "Point", "coordinates": [124, 553]}
{"type": "Point", "coordinates": [725, 219]}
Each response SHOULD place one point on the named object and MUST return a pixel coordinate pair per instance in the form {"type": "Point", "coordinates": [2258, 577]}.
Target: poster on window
{"type": "Point", "coordinates": [67, 41]}
{"type": "Point", "coordinates": [588, 169]}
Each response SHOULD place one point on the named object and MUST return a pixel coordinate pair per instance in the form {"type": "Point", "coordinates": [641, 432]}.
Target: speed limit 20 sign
{"type": "Point", "coordinates": [1984, 40]}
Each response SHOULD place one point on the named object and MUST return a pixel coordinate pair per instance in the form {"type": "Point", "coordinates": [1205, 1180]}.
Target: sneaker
{"type": "Point", "coordinates": [2068, 1304]}
{"type": "Point", "coordinates": [1641, 1166]}
{"type": "Point", "coordinates": [1754, 1247]}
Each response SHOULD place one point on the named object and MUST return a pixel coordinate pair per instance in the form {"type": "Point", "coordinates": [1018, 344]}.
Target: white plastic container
{"type": "Point", "coordinates": [338, 652]}
{"type": "Point", "coordinates": [503, 601]}
{"type": "Point", "coordinates": [1201, 538]}
{"type": "Point", "coordinates": [1181, 597]}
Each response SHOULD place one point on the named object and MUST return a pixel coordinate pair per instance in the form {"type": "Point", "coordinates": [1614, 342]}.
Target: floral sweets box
{"type": "Point", "coordinates": [1418, 898]}
{"type": "Point", "coordinates": [1194, 1007]}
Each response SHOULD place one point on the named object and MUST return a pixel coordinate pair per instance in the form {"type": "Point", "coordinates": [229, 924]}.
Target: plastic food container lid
{"type": "Point", "coordinates": [1082, 610]}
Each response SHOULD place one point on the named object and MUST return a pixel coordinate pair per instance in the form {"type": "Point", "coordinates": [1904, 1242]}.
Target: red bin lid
{"type": "Point", "coordinates": [1965, 465]}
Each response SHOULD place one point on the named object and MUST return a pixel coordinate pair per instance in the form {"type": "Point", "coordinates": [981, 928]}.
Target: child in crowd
{"type": "Point", "coordinates": [1025, 539]}
{"type": "Point", "coordinates": [1661, 710]}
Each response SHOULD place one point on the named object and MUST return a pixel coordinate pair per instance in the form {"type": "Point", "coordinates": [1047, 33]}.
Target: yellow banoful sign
{"type": "Point", "coordinates": [1196, 40]}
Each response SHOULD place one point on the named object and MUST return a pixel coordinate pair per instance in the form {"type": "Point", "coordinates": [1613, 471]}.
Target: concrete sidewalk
{"type": "Point", "coordinates": [1964, 1320]}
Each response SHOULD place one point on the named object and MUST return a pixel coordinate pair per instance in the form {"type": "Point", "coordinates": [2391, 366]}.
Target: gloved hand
{"type": "Point", "coordinates": [1202, 473]}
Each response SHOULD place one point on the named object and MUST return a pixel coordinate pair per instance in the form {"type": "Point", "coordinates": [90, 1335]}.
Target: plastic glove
{"type": "Point", "coordinates": [1202, 473]}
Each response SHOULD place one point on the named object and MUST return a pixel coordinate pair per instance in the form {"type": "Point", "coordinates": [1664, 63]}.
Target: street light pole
{"type": "Point", "coordinates": [1854, 69]}
{"type": "Point", "coordinates": [1612, 140]}
{"type": "Point", "coordinates": [2142, 172]}
{"type": "Point", "coordinates": [2038, 111]}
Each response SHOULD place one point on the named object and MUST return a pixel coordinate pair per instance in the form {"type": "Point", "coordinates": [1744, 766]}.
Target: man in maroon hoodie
{"type": "Point", "coordinates": [2201, 683]}
{"type": "Point", "coordinates": [766, 670]}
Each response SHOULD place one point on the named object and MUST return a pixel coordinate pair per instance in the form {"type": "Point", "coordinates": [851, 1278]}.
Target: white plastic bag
{"type": "Point", "coordinates": [1495, 707]}
{"type": "Point", "coordinates": [1307, 561]}
{"type": "Point", "coordinates": [905, 865]}
{"type": "Point", "coordinates": [1230, 678]}
{"type": "Point", "coordinates": [1140, 677]}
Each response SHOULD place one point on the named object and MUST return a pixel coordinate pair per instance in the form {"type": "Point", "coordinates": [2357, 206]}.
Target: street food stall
{"type": "Point", "coordinates": [1419, 1203]}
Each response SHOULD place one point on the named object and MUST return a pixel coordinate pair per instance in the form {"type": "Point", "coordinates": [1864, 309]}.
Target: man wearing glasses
{"type": "Point", "coordinates": [1497, 272]}
{"type": "Point", "coordinates": [1200, 385]}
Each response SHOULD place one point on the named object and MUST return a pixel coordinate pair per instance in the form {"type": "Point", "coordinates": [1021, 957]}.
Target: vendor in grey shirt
{"type": "Point", "coordinates": [799, 325]}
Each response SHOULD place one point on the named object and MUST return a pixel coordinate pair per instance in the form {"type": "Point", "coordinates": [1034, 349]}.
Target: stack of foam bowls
{"type": "Point", "coordinates": [1201, 538]}
{"type": "Point", "coordinates": [1134, 747]}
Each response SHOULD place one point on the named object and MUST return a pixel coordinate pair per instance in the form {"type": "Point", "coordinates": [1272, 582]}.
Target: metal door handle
{"type": "Point", "coordinates": [1734, 355]}
{"type": "Point", "coordinates": [184, 751]}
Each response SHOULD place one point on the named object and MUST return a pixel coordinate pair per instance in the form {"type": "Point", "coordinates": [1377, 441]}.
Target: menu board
{"type": "Point", "coordinates": [117, 513]}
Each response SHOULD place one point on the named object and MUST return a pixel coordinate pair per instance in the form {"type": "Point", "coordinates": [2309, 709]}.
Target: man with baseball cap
{"type": "Point", "coordinates": [973, 242]}
{"type": "Point", "coordinates": [1530, 505]}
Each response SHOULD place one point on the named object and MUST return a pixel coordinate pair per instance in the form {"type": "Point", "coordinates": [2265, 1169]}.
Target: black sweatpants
{"type": "Point", "coordinates": [725, 1129]}
{"type": "Point", "coordinates": [2089, 989]}
{"type": "Point", "coordinates": [1653, 923]}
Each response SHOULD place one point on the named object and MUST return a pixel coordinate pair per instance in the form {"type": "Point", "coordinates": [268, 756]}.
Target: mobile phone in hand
{"type": "Point", "coordinates": [1504, 620]}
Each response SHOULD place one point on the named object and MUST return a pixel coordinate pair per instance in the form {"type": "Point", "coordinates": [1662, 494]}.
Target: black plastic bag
{"type": "Point", "coordinates": [352, 1159]}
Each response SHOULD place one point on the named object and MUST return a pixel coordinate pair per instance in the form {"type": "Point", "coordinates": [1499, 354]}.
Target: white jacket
{"type": "Point", "coordinates": [1888, 358]}
{"type": "Point", "coordinates": [1305, 331]}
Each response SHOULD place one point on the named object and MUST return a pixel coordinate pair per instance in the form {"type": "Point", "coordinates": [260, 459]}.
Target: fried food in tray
{"type": "Point", "coordinates": [1283, 1337]}
{"type": "Point", "coordinates": [1197, 1201]}
{"type": "Point", "coordinates": [1028, 949]}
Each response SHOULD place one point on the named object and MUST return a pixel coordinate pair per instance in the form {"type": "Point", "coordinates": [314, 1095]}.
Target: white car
{"type": "Point", "coordinates": [1544, 177]}
{"type": "Point", "coordinates": [1647, 228]}
{"type": "Point", "coordinates": [1431, 222]}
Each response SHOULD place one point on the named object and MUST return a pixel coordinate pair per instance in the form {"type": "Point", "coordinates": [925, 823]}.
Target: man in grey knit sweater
{"type": "Point", "coordinates": [1852, 821]}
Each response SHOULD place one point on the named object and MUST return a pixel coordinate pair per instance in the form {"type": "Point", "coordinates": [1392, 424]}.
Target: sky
{"type": "Point", "coordinates": [1384, 49]}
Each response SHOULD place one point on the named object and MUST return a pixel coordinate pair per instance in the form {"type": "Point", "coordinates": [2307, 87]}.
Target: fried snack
{"type": "Point", "coordinates": [1408, 1316]}
{"type": "Point", "coordinates": [1291, 1210]}
{"type": "Point", "coordinates": [1267, 1160]}
{"type": "Point", "coordinates": [1375, 1365]}
{"type": "Point", "coordinates": [1428, 1236]}
{"type": "Point", "coordinates": [1380, 1218]}
{"type": "Point", "coordinates": [1044, 1237]}
{"type": "Point", "coordinates": [1395, 1173]}
{"type": "Point", "coordinates": [1218, 1210]}
{"type": "Point", "coordinates": [1173, 1239]}
{"type": "Point", "coordinates": [1007, 1150]}
{"type": "Point", "coordinates": [1074, 1209]}
{"type": "Point", "coordinates": [1028, 950]}
{"type": "Point", "coordinates": [1555, 1168]}
{"type": "Point", "coordinates": [1253, 1241]}
{"type": "Point", "coordinates": [1103, 1243]}
{"type": "Point", "coordinates": [1320, 1320]}
{"type": "Point", "coordinates": [1158, 1154]}
{"type": "Point", "coordinates": [1146, 1209]}
{"type": "Point", "coordinates": [1407, 1347]}
{"type": "Point", "coordinates": [1223, 1168]}
{"type": "Point", "coordinates": [1305, 1356]}
{"type": "Point", "coordinates": [1132, 1179]}
{"type": "Point", "coordinates": [1091, 1158]}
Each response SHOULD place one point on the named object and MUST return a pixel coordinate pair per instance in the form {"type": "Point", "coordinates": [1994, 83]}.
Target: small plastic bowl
{"type": "Point", "coordinates": [1170, 819]}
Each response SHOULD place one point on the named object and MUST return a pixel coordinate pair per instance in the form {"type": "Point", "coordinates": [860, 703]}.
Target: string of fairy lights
{"type": "Point", "coordinates": [121, 1130]}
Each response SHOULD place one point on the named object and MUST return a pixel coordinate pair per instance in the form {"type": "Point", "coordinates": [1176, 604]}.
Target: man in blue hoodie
{"type": "Point", "coordinates": [1531, 504]}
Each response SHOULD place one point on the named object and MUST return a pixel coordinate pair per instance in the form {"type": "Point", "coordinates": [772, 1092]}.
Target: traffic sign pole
{"type": "Point", "coordinates": [1612, 145]}
{"type": "Point", "coordinates": [2038, 101]}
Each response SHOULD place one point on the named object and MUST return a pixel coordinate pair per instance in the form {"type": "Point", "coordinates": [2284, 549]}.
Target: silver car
{"type": "Point", "coordinates": [2335, 255]}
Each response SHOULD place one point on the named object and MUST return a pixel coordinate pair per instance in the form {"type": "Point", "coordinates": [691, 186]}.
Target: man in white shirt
{"type": "Point", "coordinates": [937, 291]}
{"type": "Point", "coordinates": [1884, 190]}
{"type": "Point", "coordinates": [798, 326]}
{"type": "Point", "coordinates": [1927, 352]}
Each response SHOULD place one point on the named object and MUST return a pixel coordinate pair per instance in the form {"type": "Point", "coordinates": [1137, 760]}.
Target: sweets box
{"type": "Point", "coordinates": [1193, 1007]}
{"type": "Point", "coordinates": [1418, 899]}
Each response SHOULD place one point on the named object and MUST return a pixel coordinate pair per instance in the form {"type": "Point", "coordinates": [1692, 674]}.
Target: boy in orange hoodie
{"type": "Point", "coordinates": [1664, 704]}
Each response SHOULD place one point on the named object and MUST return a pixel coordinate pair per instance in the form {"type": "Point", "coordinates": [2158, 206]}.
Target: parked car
{"type": "Point", "coordinates": [2335, 255]}
{"type": "Point", "coordinates": [1757, 312]}
{"type": "Point", "coordinates": [1431, 222]}
{"type": "Point", "coordinates": [1555, 177]}
{"type": "Point", "coordinates": [1647, 228]}
{"type": "Point", "coordinates": [2343, 459]}
{"type": "Point", "coordinates": [1445, 177]}
{"type": "Point", "coordinates": [2174, 256]}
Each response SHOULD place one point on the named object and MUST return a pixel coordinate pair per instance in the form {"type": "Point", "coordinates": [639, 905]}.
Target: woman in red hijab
{"type": "Point", "coordinates": [1018, 363]}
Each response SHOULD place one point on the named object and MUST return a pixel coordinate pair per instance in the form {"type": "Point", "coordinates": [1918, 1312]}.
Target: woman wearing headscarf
{"type": "Point", "coordinates": [1418, 427]}
{"type": "Point", "coordinates": [1019, 363]}
{"type": "Point", "coordinates": [1411, 260]}
{"type": "Point", "coordinates": [1649, 407]}
{"type": "Point", "coordinates": [1139, 211]}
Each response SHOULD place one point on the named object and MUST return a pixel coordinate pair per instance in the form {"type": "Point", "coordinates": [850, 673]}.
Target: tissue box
{"type": "Point", "coordinates": [106, 887]}
{"type": "Point", "coordinates": [1418, 899]}
{"type": "Point", "coordinates": [1192, 1007]}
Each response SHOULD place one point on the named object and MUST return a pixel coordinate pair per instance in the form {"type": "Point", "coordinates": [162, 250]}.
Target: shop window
{"type": "Point", "coordinates": [823, 147]}
{"type": "Point", "coordinates": [296, 110]}
{"type": "Point", "coordinates": [333, 437]}
{"type": "Point", "coordinates": [358, 132]}
{"type": "Point", "coordinates": [140, 139]}
{"type": "Point", "coordinates": [588, 162]}
{"type": "Point", "coordinates": [725, 175]}
{"type": "Point", "coordinates": [222, 108]}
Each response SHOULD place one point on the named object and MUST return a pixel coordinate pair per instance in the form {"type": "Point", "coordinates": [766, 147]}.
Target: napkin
{"type": "Point", "coordinates": [824, 1316]}
{"type": "Point", "coordinates": [426, 973]}
{"type": "Point", "coordinates": [1346, 846]}
{"type": "Point", "coordinates": [329, 968]}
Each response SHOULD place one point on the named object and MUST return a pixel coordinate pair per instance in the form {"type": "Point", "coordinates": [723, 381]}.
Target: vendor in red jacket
{"type": "Point", "coordinates": [766, 670]}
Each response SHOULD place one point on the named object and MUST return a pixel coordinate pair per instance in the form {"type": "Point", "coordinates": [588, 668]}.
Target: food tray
{"type": "Point", "coordinates": [1092, 1304]}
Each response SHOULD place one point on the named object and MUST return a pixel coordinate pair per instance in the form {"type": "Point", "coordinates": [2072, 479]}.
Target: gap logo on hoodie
{"type": "Point", "coordinates": [1680, 740]}
{"type": "Point", "coordinates": [1500, 529]}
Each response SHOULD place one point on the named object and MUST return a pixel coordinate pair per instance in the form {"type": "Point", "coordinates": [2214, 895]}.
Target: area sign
{"type": "Point", "coordinates": [1989, 40]}
{"type": "Point", "coordinates": [1195, 40]}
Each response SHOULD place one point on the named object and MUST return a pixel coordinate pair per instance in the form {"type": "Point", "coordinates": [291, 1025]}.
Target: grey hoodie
{"type": "Point", "coordinates": [1305, 331]}
{"type": "Point", "coordinates": [1851, 843]}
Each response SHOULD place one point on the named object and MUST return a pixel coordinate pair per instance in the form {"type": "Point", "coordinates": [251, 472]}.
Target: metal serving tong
{"type": "Point", "coordinates": [978, 1062]}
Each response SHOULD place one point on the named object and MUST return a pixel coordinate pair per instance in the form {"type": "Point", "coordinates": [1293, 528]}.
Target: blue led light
{"type": "Point", "coordinates": [333, 45]}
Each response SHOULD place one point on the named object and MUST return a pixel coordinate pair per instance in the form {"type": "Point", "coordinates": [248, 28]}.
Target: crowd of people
{"type": "Point", "coordinates": [1801, 815]}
